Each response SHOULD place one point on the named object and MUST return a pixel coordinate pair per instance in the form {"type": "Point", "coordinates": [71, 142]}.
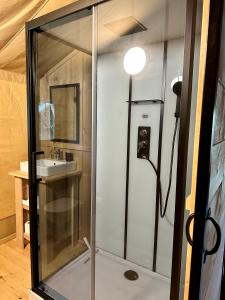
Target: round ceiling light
{"type": "Point", "coordinates": [134, 60]}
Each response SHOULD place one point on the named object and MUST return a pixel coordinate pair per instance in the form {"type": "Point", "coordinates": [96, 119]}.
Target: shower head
{"type": "Point", "coordinates": [125, 26]}
{"type": "Point", "coordinates": [176, 85]}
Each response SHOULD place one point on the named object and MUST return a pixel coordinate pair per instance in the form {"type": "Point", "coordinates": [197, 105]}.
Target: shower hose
{"type": "Point", "coordinates": [163, 207]}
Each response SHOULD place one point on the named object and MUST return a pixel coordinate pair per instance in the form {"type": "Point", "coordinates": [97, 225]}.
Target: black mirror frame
{"type": "Point", "coordinates": [77, 95]}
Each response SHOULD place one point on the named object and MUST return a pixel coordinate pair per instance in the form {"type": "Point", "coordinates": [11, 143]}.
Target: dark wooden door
{"type": "Point", "coordinates": [209, 228]}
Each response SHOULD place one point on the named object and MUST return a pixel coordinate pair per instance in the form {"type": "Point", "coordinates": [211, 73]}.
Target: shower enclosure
{"type": "Point", "coordinates": [112, 89]}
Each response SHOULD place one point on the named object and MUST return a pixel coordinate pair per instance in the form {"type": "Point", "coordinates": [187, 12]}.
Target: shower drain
{"type": "Point", "coordinates": [131, 275]}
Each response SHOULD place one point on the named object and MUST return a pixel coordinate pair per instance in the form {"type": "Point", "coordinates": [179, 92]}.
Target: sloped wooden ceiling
{"type": "Point", "coordinates": [13, 15]}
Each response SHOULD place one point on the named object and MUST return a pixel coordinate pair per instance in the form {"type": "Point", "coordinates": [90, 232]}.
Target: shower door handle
{"type": "Point", "coordinates": [188, 235]}
{"type": "Point", "coordinates": [34, 166]}
{"type": "Point", "coordinates": [218, 234]}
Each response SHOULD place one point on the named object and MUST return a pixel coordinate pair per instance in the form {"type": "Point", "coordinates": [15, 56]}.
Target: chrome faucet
{"type": "Point", "coordinates": [57, 153]}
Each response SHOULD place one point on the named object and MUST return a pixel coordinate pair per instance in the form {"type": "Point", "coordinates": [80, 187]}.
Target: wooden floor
{"type": "Point", "coordinates": [14, 271]}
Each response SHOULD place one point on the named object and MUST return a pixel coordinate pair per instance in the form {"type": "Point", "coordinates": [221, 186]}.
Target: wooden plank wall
{"type": "Point", "coordinates": [13, 143]}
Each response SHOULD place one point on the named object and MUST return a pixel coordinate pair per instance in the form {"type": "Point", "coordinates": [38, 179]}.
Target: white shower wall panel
{"type": "Point", "coordinates": [142, 188]}
{"type": "Point", "coordinates": [111, 153]}
{"type": "Point", "coordinates": [113, 87]}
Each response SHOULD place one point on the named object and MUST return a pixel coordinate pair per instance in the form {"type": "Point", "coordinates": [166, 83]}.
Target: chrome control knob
{"type": "Point", "coordinates": [143, 144]}
{"type": "Point", "coordinates": [143, 133]}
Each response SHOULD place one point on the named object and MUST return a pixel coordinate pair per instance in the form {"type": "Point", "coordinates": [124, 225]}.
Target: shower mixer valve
{"type": "Point", "coordinates": [143, 144]}
{"type": "Point", "coordinates": [143, 132]}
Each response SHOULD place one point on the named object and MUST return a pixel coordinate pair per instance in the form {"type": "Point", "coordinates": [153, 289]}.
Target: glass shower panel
{"type": "Point", "coordinates": [139, 77]}
{"type": "Point", "coordinates": [63, 137]}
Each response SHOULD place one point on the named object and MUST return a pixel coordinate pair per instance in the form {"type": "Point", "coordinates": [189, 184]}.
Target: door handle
{"type": "Point", "coordinates": [188, 224]}
{"type": "Point", "coordinates": [218, 234]}
{"type": "Point", "coordinates": [34, 165]}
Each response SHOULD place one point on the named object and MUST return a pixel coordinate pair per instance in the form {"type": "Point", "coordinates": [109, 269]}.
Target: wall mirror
{"type": "Point", "coordinates": [65, 100]}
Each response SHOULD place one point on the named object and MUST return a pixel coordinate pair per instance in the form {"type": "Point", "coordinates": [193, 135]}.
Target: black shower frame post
{"type": "Point", "coordinates": [203, 175]}
{"type": "Point", "coordinates": [189, 47]}
{"type": "Point", "coordinates": [157, 203]}
{"type": "Point", "coordinates": [127, 166]}
{"type": "Point", "coordinates": [214, 26]}
{"type": "Point", "coordinates": [159, 159]}
{"type": "Point", "coordinates": [31, 82]}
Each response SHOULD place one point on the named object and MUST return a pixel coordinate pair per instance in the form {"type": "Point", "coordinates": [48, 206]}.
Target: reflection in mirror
{"type": "Point", "coordinates": [66, 117]}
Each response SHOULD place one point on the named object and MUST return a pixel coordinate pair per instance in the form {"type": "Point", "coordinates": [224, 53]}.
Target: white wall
{"type": "Point", "coordinates": [111, 157]}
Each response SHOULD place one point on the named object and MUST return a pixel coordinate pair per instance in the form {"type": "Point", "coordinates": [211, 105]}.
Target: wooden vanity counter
{"type": "Point", "coordinates": [19, 174]}
{"type": "Point", "coordinates": [46, 179]}
{"type": "Point", "coordinates": [57, 177]}
{"type": "Point", "coordinates": [22, 193]}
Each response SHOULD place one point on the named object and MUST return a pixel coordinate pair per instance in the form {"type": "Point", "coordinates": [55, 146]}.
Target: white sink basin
{"type": "Point", "coordinates": [50, 167]}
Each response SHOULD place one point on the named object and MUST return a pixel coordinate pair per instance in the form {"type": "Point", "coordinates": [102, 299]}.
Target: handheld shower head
{"type": "Point", "coordinates": [176, 87]}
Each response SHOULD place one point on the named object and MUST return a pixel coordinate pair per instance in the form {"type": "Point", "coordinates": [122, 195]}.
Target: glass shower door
{"type": "Point", "coordinates": [142, 56]}
{"type": "Point", "coordinates": [133, 250]}
{"type": "Point", "coordinates": [61, 156]}
{"type": "Point", "coordinates": [128, 222]}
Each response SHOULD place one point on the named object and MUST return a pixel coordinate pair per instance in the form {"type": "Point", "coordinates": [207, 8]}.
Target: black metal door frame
{"type": "Point", "coordinates": [203, 174]}
{"type": "Point", "coordinates": [32, 27]}
{"type": "Point", "coordinates": [31, 35]}
{"type": "Point", "coordinates": [189, 43]}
